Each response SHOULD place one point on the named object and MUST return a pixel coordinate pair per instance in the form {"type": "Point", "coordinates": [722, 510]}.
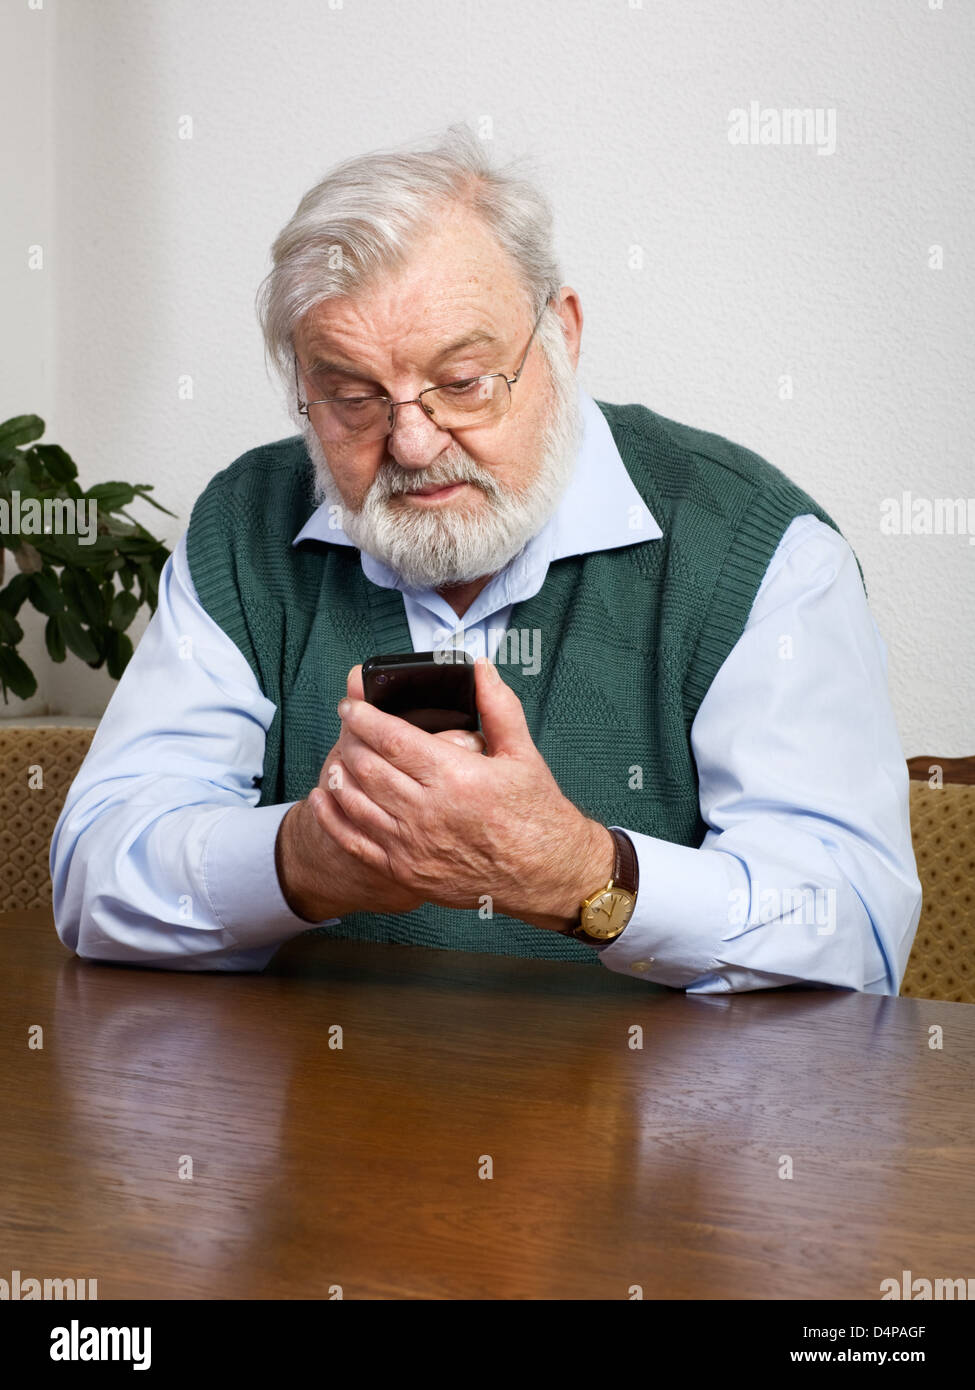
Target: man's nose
{"type": "Point", "coordinates": [416, 441]}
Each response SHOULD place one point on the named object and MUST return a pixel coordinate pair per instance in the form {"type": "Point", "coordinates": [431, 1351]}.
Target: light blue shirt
{"type": "Point", "coordinates": [162, 857]}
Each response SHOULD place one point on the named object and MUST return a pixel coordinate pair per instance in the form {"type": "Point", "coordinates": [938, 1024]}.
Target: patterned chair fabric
{"type": "Point", "coordinates": [37, 766]}
{"type": "Point", "coordinates": [942, 960]}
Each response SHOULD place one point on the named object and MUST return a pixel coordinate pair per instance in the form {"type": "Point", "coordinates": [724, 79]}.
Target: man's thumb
{"type": "Point", "coordinates": [503, 720]}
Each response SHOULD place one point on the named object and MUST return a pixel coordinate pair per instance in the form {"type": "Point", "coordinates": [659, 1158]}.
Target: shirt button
{"type": "Point", "coordinates": [642, 964]}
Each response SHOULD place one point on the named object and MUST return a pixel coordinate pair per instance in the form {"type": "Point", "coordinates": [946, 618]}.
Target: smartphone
{"type": "Point", "coordinates": [433, 690]}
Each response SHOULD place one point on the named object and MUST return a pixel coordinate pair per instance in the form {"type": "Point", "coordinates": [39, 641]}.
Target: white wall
{"type": "Point", "coordinates": [758, 261]}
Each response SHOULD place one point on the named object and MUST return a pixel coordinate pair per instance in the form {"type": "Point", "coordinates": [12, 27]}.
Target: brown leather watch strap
{"type": "Point", "coordinates": [626, 869]}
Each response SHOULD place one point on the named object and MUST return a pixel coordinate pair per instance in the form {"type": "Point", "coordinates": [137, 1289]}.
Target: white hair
{"type": "Point", "coordinates": [365, 217]}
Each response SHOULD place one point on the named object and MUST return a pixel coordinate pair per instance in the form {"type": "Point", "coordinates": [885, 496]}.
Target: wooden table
{"type": "Point", "coordinates": [613, 1166]}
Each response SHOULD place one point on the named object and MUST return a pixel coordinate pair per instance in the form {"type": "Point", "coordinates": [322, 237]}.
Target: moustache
{"type": "Point", "coordinates": [393, 480]}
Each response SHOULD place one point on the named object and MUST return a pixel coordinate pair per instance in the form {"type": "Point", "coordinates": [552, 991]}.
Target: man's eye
{"type": "Point", "coordinates": [462, 388]}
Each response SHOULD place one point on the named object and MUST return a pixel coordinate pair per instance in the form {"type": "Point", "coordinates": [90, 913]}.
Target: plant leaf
{"type": "Point", "coordinates": [84, 596]}
{"type": "Point", "coordinates": [35, 468]}
{"type": "Point", "coordinates": [143, 489]}
{"type": "Point", "coordinates": [79, 641]}
{"type": "Point", "coordinates": [18, 479]}
{"type": "Point", "coordinates": [58, 462]}
{"type": "Point", "coordinates": [15, 593]}
{"type": "Point", "coordinates": [150, 578]}
{"type": "Point", "coordinates": [54, 638]}
{"type": "Point", "coordinates": [66, 550]}
{"type": "Point", "coordinates": [11, 631]}
{"type": "Point", "coordinates": [124, 608]}
{"type": "Point", "coordinates": [16, 675]}
{"type": "Point", "coordinates": [119, 653]}
{"type": "Point", "coordinates": [20, 429]}
{"type": "Point", "coordinates": [45, 594]}
{"type": "Point", "coordinates": [142, 544]}
{"type": "Point", "coordinates": [115, 527]}
{"type": "Point", "coordinates": [111, 496]}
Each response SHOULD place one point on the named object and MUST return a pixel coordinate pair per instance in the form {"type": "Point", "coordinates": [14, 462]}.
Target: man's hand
{"type": "Point", "coordinates": [450, 825]}
{"type": "Point", "coordinates": [318, 877]}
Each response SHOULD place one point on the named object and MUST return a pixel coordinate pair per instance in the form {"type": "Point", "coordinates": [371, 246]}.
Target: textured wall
{"type": "Point", "coordinates": [709, 270]}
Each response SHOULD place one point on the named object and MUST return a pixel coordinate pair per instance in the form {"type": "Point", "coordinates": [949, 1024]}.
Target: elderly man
{"type": "Point", "coordinates": [689, 770]}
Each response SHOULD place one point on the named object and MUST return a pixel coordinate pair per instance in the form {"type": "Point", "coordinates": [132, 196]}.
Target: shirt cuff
{"type": "Point", "coordinates": [241, 879]}
{"type": "Point", "coordinates": [681, 902]}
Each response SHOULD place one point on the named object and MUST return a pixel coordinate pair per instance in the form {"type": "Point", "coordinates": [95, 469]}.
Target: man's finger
{"type": "Point", "coordinates": [353, 683]}
{"type": "Point", "coordinates": [413, 751]}
{"type": "Point", "coordinates": [502, 714]}
{"type": "Point", "coordinates": [395, 791]}
{"type": "Point", "coordinates": [473, 741]}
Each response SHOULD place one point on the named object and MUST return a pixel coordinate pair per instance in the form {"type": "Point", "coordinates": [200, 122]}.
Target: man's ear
{"type": "Point", "coordinates": [569, 310]}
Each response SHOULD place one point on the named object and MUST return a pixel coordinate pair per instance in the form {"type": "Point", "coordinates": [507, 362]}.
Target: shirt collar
{"type": "Point", "coordinates": [600, 509]}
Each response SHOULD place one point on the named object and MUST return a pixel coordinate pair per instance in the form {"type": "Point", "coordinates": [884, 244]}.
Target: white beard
{"type": "Point", "coordinates": [436, 547]}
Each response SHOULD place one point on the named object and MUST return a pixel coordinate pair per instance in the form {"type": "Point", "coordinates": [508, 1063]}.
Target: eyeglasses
{"type": "Point", "coordinates": [478, 400]}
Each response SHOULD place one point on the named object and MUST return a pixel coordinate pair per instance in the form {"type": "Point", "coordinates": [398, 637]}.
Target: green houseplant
{"type": "Point", "coordinates": [79, 559]}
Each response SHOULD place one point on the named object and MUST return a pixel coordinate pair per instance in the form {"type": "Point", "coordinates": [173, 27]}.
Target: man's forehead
{"type": "Point", "coordinates": [318, 340]}
{"type": "Point", "coordinates": [339, 333]}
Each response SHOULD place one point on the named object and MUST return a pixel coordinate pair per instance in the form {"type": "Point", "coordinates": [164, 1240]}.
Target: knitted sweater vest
{"type": "Point", "coordinates": [630, 640]}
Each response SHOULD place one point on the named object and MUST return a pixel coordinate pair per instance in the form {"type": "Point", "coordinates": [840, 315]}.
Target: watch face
{"type": "Point", "coordinates": [608, 913]}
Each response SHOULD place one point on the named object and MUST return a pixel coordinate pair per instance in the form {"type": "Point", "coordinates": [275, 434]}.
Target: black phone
{"type": "Point", "coordinates": [433, 690]}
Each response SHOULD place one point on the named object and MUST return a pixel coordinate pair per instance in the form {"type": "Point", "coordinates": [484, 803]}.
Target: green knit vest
{"type": "Point", "coordinates": [630, 639]}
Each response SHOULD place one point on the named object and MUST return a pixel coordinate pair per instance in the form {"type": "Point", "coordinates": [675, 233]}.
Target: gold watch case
{"type": "Point", "coordinates": [606, 913]}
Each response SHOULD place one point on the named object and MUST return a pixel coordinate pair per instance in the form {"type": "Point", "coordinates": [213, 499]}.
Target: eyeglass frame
{"type": "Point", "coordinates": [417, 400]}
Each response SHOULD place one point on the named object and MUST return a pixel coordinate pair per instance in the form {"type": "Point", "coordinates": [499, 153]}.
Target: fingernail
{"type": "Point", "coordinates": [344, 707]}
{"type": "Point", "coordinates": [474, 744]}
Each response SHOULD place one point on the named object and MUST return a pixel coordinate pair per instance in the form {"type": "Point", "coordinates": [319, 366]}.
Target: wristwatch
{"type": "Point", "coordinates": [603, 916]}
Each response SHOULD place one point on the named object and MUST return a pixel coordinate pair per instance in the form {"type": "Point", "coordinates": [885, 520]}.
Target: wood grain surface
{"type": "Point", "coordinates": [317, 1168]}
